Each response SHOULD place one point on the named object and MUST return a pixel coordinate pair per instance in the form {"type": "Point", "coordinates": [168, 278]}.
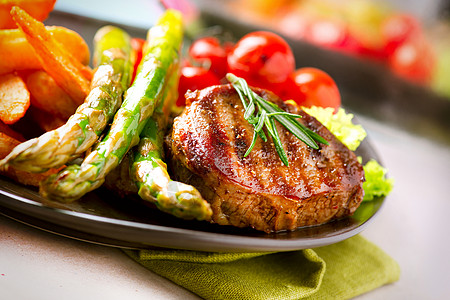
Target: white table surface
{"type": "Point", "coordinates": [412, 227]}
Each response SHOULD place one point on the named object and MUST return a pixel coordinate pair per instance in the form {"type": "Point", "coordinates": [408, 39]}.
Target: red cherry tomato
{"type": "Point", "coordinates": [333, 35]}
{"type": "Point", "coordinates": [137, 44]}
{"type": "Point", "coordinates": [295, 24]}
{"type": "Point", "coordinates": [414, 60]}
{"type": "Point", "coordinates": [327, 33]}
{"type": "Point", "coordinates": [194, 78]}
{"type": "Point", "coordinates": [261, 56]}
{"type": "Point", "coordinates": [314, 87]}
{"type": "Point", "coordinates": [399, 28]}
{"type": "Point", "coordinates": [210, 50]}
{"type": "Point", "coordinates": [288, 90]}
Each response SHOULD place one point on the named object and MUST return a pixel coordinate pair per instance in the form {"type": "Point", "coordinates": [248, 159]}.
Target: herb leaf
{"type": "Point", "coordinates": [261, 113]}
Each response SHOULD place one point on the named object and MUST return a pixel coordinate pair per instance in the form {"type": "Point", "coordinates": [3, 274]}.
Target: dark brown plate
{"type": "Point", "coordinates": [102, 217]}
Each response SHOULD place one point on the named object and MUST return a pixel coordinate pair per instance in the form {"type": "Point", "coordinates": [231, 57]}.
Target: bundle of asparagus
{"type": "Point", "coordinates": [138, 125]}
{"type": "Point", "coordinates": [112, 57]}
{"type": "Point", "coordinates": [150, 171]}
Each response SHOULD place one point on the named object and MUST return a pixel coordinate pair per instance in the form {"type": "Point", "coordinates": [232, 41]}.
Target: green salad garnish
{"type": "Point", "coordinates": [376, 184]}
{"type": "Point", "coordinates": [340, 124]}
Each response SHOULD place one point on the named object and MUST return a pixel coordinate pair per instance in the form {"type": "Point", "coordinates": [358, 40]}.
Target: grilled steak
{"type": "Point", "coordinates": [208, 143]}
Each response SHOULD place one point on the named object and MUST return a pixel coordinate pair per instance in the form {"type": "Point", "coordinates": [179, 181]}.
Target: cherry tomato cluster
{"type": "Point", "coordinates": [264, 60]}
{"type": "Point", "coordinates": [398, 41]}
{"type": "Point", "coordinates": [138, 47]}
{"type": "Point", "coordinates": [409, 53]}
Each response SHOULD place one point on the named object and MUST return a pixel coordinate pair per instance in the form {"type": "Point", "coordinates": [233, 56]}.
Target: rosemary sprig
{"type": "Point", "coordinates": [261, 113]}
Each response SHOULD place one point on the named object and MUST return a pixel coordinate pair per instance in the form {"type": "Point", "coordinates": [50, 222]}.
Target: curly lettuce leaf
{"type": "Point", "coordinates": [376, 184]}
{"type": "Point", "coordinates": [340, 124]}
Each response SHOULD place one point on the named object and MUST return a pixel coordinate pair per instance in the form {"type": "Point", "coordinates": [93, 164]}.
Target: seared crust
{"type": "Point", "coordinates": [208, 144]}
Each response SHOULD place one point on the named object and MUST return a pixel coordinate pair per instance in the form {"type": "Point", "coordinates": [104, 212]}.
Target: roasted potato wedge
{"type": "Point", "coordinates": [46, 121]}
{"type": "Point", "coordinates": [69, 73]}
{"type": "Point", "coordinates": [14, 98]}
{"type": "Point", "coordinates": [48, 96]}
{"type": "Point", "coordinates": [7, 143]}
{"type": "Point", "coordinates": [11, 132]}
{"type": "Point", "coordinates": [38, 9]}
{"type": "Point", "coordinates": [21, 56]}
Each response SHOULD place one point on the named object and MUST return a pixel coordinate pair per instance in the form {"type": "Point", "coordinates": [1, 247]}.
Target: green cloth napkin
{"type": "Point", "coordinates": [339, 271]}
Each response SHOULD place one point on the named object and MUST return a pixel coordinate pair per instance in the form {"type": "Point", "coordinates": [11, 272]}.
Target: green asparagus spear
{"type": "Point", "coordinates": [112, 56]}
{"type": "Point", "coordinates": [159, 61]}
{"type": "Point", "coordinates": [150, 171]}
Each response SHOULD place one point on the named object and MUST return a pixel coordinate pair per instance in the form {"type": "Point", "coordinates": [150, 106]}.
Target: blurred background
{"type": "Point", "coordinates": [390, 59]}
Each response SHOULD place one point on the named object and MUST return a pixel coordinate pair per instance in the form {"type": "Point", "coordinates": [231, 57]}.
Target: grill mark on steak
{"type": "Point", "coordinates": [231, 115]}
{"type": "Point", "coordinates": [225, 160]}
{"type": "Point", "coordinates": [209, 141]}
{"type": "Point", "coordinates": [291, 144]}
{"type": "Point", "coordinates": [301, 177]}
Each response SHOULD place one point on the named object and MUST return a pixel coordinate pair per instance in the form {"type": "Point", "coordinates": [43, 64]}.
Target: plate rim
{"type": "Point", "coordinates": [198, 240]}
